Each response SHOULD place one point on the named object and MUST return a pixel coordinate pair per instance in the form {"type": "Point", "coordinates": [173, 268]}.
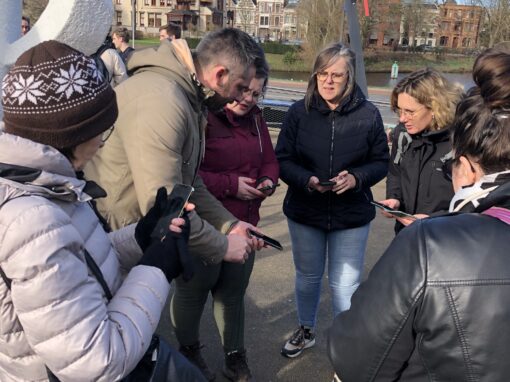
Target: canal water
{"type": "Point", "coordinates": [378, 79]}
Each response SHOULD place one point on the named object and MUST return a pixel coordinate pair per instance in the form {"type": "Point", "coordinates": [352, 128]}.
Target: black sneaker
{"type": "Point", "coordinates": [193, 354]}
{"type": "Point", "coordinates": [301, 339]}
{"type": "Point", "coordinates": [236, 366]}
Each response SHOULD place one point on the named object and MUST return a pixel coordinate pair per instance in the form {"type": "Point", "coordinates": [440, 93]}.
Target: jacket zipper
{"type": "Point", "coordinates": [331, 148]}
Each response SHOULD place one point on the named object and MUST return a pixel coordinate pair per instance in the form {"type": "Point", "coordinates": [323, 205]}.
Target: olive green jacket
{"type": "Point", "coordinates": [158, 141]}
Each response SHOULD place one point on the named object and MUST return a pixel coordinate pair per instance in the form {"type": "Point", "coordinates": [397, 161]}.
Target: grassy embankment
{"type": "Point", "coordinates": [382, 63]}
{"type": "Point", "coordinates": [374, 63]}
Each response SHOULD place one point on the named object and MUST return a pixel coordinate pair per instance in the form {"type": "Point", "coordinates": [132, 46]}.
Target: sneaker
{"type": "Point", "coordinates": [193, 354]}
{"type": "Point", "coordinates": [302, 339]}
{"type": "Point", "coordinates": [236, 366]}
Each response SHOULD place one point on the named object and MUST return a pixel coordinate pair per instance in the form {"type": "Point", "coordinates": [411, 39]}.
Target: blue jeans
{"type": "Point", "coordinates": [345, 250]}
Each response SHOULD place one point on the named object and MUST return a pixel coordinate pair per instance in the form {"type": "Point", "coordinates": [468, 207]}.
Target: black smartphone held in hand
{"type": "Point", "coordinates": [266, 239]}
{"type": "Point", "coordinates": [397, 213]}
{"type": "Point", "coordinates": [326, 183]}
{"type": "Point", "coordinates": [176, 203]}
{"type": "Point", "coordinates": [268, 188]}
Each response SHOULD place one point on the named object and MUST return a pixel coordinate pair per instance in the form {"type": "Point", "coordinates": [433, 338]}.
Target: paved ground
{"type": "Point", "coordinates": [270, 307]}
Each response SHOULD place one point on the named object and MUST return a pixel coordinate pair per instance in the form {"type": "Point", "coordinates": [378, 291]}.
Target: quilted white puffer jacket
{"type": "Point", "coordinates": [55, 313]}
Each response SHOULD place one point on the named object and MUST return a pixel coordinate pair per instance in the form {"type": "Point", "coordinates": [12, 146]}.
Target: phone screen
{"type": "Point", "coordinates": [397, 213]}
{"type": "Point", "coordinates": [327, 183]}
{"type": "Point", "coordinates": [268, 240]}
{"type": "Point", "coordinates": [176, 203]}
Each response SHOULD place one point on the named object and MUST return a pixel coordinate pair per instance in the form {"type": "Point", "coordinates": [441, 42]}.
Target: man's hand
{"type": "Point", "coordinates": [246, 191]}
{"type": "Point", "coordinates": [241, 228]}
{"type": "Point", "coordinates": [238, 249]}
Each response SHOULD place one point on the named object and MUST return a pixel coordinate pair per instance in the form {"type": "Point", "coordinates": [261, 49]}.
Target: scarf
{"type": "Point", "coordinates": [468, 198]}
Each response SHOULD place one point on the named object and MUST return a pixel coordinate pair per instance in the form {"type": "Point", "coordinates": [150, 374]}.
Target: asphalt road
{"type": "Point", "coordinates": [270, 305]}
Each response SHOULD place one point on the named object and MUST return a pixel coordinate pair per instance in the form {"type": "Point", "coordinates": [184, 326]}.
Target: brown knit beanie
{"type": "Point", "coordinates": [56, 96]}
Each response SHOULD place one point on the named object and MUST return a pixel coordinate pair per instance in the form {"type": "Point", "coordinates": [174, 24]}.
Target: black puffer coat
{"type": "Point", "coordinates": [435, 307]}
{"type": "Point", "coordinates": [417, 181]}
{"type": "Point", "coordinates": [324, 142]}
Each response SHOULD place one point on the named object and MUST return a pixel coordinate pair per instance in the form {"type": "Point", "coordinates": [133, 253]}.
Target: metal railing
{"type": "Point", "coordinates": [275, 106]}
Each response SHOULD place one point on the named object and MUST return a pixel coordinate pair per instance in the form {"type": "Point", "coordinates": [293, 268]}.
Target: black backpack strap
{"type": "Point", "coordinates": [96, 271]}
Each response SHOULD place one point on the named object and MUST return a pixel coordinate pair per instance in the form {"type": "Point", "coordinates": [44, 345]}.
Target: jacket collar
{"type": "Point", "coordinates": [31, 168]}
{"type": "Point", "coordinates": [222, 122]}
{"type": "Point", "coordinates": [351, 102]}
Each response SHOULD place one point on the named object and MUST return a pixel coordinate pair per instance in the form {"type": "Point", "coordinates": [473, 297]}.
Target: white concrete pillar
{"type": "Point", "coordinates": [82, 24]}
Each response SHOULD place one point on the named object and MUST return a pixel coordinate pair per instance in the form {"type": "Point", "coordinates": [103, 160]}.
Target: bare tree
{"type": "Point", "coordinates": [413, 16]}
{"type": "Point", "coordinates": [323, 21]}
{"type": "Point", "coordinates": [33, 9]}
{"type": "Point", "coordinates": [496, 21]}
{"type": "Point", "coordinates": [368, 24]}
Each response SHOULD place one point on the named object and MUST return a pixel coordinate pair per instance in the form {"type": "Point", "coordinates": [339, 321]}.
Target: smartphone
{"type": "Point", "coordinates": [327, 183]}
{"type": "Point", "coordinates": [268, 188]}
{"type": "Point", "coordinates": [175, 208]}
{"type": "Point", "coordinates": [397, 213]}
{"type": "Point", "coordinates": [267, 240]}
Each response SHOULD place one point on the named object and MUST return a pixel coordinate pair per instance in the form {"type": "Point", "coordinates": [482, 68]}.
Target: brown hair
{"type": "Point", "coordinates": [431, 89]}
{"type": "Point", "coordinates": [327, 57]}
{"type": "Point", "coordinates": [481, 129]}
{"type": "Point", "coordinates": [122, 33]}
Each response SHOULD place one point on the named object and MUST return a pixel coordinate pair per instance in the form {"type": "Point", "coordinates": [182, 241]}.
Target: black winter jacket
{"type": "Point", "coordinates": [417, 181]}
{"type": "Point", "coordinates": [324, 142]}
{"type": "Point", "coordinates": [436, 306]}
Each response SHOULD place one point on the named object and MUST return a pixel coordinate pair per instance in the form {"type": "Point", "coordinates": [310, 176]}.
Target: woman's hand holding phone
{"type": "Point", "coordinates": [394, 204]}
{"type": "Point", "coordinates": [246, 191]}
{"type": "Point", "coordinates": [315, 184]}
{"type": "Point", "coordinates": [344, 181]}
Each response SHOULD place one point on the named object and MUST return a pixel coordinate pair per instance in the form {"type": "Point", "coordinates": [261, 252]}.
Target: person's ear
{"type": "Point", "coordinates": [220, 76]}
{"type": "Point", "coordinates": [466, 170]}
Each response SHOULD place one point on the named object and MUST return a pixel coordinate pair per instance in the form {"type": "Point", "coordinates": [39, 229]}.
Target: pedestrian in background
{"type": "Point", "coordinates": [425, 102]}
{"type": "Point", "coordinates": [436, 306]}
{"type": "Point", "coordinates": [332, 148]}
{"type": "Point", "coordinates": [120, 39]}
{"type": "Point", "coordinates": [239, 160]}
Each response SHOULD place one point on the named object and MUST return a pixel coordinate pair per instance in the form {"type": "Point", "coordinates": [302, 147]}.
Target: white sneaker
{"type": "Point", "coordinates": [303, 338]}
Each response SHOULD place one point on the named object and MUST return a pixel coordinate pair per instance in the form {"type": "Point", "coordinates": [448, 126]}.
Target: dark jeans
{"type": "Point", "coordinates": [227, 283]}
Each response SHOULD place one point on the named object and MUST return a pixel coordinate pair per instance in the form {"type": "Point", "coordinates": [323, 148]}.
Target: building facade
{"type": "Point", "coordinates": [459, 25]}
{"type": "Point", "coordinates": [196, 17]}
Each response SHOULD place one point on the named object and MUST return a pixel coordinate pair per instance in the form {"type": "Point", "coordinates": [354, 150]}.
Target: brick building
{"type": "Point", "coordinates": [459, 25]}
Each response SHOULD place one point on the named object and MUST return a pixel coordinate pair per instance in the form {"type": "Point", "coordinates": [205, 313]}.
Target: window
{"type": "Point", "coordinates": [277, 8]}
{"type": "Point", "coordinates": [162, 3]}
{"type": "Point", "coordinates": [119, 17]}
{"type": "Point", "coordinates": [169, 3]}
{"type": "Point", "coordinates": [152, 20]}
{"type": "Point", "coordinates": [153, 3]}
{"type": "Point", "coordinates": [264, 20]}
{"type": "Point", "coordinates": [142, 19]}
{"type": "Point", "coordinates": [277, 21]}
{"type": "Point", "coordinates": [158, 20]}
{"type": "Point", "coordinates": [118, 2]}
{"type": "Point", "coordinates": [146, 2]}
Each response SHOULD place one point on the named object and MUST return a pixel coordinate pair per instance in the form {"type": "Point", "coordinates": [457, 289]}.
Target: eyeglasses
{"type": "Point", "coordinates": [257, 96]}
{"type": "Point", "coordinates": [107, 134]}
{"type": "Point", "coordinates": [447, 167]}
{"type": "Point", "coordinates": [335, 77]}
{"type": "Point", "coordinates": [409, 114]}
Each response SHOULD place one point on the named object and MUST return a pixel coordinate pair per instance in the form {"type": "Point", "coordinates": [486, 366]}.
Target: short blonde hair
{"type": "Point", "coordinates": [431, 89]}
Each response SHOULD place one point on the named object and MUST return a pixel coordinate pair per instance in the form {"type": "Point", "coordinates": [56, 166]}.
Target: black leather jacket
{"type": "Point", "coordinates": [436, 307]}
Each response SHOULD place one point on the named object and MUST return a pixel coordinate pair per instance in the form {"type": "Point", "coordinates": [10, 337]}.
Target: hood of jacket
{"type": "Point", "coordinates": [31, 168]}
{"type": "Point", "coordinates": [173, 60]}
